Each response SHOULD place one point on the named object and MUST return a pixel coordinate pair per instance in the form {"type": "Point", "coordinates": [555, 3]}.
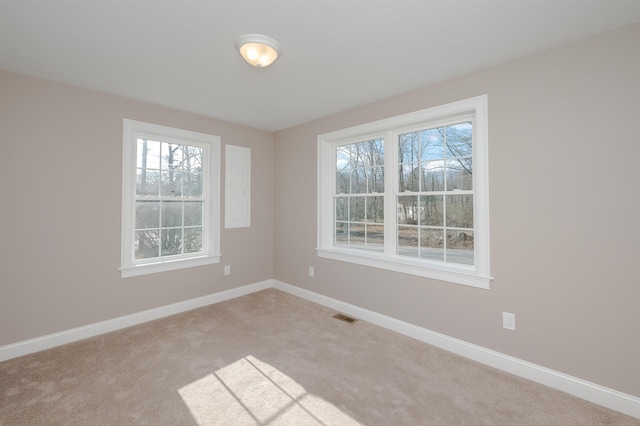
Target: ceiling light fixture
{"type": "Point", "coordinates": [258, 50]}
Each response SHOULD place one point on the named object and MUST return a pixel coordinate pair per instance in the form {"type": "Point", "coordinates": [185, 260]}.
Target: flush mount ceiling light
{"type": "Point", "coordinates": [258, 50]}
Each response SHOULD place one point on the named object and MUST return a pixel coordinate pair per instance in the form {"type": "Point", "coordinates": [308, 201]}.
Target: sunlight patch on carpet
{"type": "Point", "coordinates": [250, 391]}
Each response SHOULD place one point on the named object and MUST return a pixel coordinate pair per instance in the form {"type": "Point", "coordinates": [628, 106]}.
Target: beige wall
{"type": "Point", "coordinates": [60, 195]}
{"type": "Point", "coordinates": [565, 210]}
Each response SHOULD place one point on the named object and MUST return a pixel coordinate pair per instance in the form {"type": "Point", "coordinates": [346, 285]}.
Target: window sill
{"type": "Point", "coordinates": [167, 265]}
{"type": "Point", "coordinates": [454, 274]}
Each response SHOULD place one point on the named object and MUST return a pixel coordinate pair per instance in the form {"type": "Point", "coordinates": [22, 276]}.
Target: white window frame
{"type": "Point", "coordinates": [132, 131]}
{"type": "Point", "coordinates": [476, 275]}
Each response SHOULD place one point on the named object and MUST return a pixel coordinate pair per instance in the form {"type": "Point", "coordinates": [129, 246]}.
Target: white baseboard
{"type": "Point", "coordinates": [592, 392]}
{"type": "Point", "coordinates": [56, 339]}
{"type": "Point", "coordinates": [583, 389]}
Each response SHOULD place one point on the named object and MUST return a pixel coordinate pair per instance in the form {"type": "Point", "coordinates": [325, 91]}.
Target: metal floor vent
{"type": "Point", "coordinates": [345, 318]}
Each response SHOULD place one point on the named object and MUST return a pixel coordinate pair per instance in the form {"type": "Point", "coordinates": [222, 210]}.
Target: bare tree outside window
{"type": "Point", "coordinates": [435, 201]}
{"type": "Point", "coordinates": [169, 205]}
{"type": "Point", "coordinates": [359, 212]}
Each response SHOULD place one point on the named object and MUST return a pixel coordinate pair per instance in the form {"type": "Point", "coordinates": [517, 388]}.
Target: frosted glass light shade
{"type": "Point", "coordinates": [258, 50]}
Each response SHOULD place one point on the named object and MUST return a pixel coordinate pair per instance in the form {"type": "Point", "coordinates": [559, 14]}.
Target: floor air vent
{"type": "Point", "coordinates": [345, 318]}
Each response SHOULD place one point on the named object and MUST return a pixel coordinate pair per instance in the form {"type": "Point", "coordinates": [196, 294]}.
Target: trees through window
{"type": "Point", "coordinates": [409, 193]}
{"type": "Point", "coordinates": [170, 198]}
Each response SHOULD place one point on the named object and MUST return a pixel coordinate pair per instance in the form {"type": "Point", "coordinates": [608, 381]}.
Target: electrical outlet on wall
{"type": "Point", "coordinates": [312, 271]}
{"type": "Point", "coordinates": [227, 270]}
{"type": "Point", "coordinates": [509, 321]}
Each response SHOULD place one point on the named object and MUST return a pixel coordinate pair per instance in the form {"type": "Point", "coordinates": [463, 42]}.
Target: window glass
{"type": "Point", "coordinates": [358, 211]}
{"type": "Point", "coordinates": [435, 161]}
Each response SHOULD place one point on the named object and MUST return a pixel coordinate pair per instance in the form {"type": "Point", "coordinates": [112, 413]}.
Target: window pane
{"type": "Point", "coordinates": [375, 180]}
{"type": "Point", "coordinates": [147, 182]}
{"type": "Point", "coordinates": [377, 152]}
{"type": "Point", "coordinates": [373, 153]}
{"type": "Point", "coordinates": [171, 214]}
{"type": "Point", "coordinates": [358, 181]}
{"type": "Point", "coordinates": [193, 240]}
{"type": "Point", "coordinates": [367, 154]}
{"type": "Point", "coordinates": [459, 211]}
{"type": "Point", "coordinates": [171, 184]}
{"type": "Point", "coordinates": [171, 242]}
{"type": "Point", "coordinates": [432, 176]}
{"type": "Point", "coordinates": [191, 184]}
{"type": "Point", "coordinates": [375, 209]}
{"type": "Point", "coordinates": [408, 209]}
{"type": "Point", "coordinates": [148, 154]}
{"type": "Point", "coordinates": [409, 147]}
{"type": "Point", "coordinates": [407, 241]}
{"type": "Point", "coordinates": [378, 176]}
{"type": "Point", "coordinates": [460, 247]}
{"type": "Point", "coordinates": [341, 236]}
{"type": "Point", "coordinates": [342, 181]}
{"type": "Point", "coordinates": [356, 234]}
{"type": "Point", "coordinates": [459, 140]}
{"type": "Point", "coordinates": [409, 179]}
{"type": "Point", "coordinates": [192, 158]}
{"type": "Point", "coordinates": [356, 209]}
{"type": "Point", "coordinates": [433, 144]}
{"type": "Point", "coordinates": [360, 167]}
{"type": "Point", "coordinates": [432, 210]}
{"type": "Point", "coordinates": [375, 236]}
{"type": "Point", "coordinates": [171, 157]}
{"type": "Point", "coordinates": [193, 212]}
{"type": "Point", "coordinates": [343, 157]}
{"type": "Point", "coordinates": [341, 207]}
{"type": "Point", "coordinates": [355, 156]}
{"type": "Point", "coordinates": [147, 214]}
{"type": "Point", "coordinates": [147, 244]}
{"type": "Point", "coordinates": [459, 174]}
{"type": "Point", "coordinates": [432, 244]}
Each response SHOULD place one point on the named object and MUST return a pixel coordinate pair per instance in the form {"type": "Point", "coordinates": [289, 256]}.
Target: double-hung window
{"type": "Point", "coordinates": [170, 198]}
{"type": "Point", "coordinates": [409, 193]}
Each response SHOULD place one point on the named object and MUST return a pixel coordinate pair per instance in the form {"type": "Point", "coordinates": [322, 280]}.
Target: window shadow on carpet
{"type": "Point", "coordinates": [250, 391]}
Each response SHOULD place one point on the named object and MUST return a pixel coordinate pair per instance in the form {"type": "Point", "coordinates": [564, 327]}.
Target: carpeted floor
{"type": "Point", "coordinates": [270, 358]}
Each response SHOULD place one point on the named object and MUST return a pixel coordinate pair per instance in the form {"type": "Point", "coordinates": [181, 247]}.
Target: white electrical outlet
{"type": "Point", "coordinates": [312, 271]}
{"type": "Point", "coordinates": [227, 270]}
{"type": "Point", "coordinates": [509, 320]}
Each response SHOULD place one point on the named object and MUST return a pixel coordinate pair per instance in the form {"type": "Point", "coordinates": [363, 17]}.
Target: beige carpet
{"type": "Point", "coordinates": [270, 358]}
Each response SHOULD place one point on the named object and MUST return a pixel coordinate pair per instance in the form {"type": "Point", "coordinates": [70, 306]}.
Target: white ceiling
{"type": "Point", "coordinates": [336, 54]}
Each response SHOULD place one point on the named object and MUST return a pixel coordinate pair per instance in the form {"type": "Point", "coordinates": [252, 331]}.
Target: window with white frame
{"type": "Point", "coordinates": [170, 198]}
{"type": "Point", "coordinates": [409, 193]}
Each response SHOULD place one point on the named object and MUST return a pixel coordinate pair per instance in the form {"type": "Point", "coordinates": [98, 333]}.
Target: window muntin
{"type": "Point", "coordinates": [170, 216]}
{"type": "Point", "coordinates": [434, 205]}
